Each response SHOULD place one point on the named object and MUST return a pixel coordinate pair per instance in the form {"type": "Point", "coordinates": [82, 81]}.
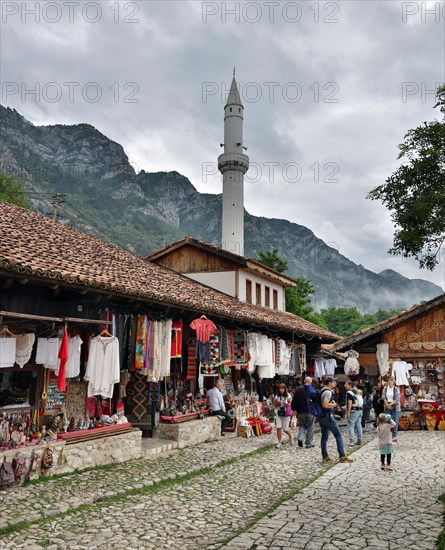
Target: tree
{"type": "Point", "coordinates": [272, 260]}
{"type": "Point", "coordinates": [12, 191]}
{"type": "Point", "coordinates": [347, 321]}
{"type": "Point", "coordinates": [298, 297]}
{"type": "Point", "coordinates": [415, 193]}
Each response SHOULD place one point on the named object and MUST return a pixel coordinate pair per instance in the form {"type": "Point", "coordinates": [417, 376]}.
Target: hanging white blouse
{"type": "Point", "coordinates": [47, 353]}
{"type": "Point", "coordinates": [73, 363]}
{"type": "Point", "coordinates": [23, 351]}
{"type": "Point", "coordinates": [7, 351]}
{"type": "Point", "coordinates": [103, 366]}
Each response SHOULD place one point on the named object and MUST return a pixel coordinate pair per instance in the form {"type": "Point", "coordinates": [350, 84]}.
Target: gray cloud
{"type": "Point", "coordinates": [348, 70]}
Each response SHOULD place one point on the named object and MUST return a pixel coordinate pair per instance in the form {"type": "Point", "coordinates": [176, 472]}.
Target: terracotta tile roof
{"type": "Point", "coordinates": [248, 263]}
{"type": "Point", "coordinates": [36, 246]}
{"type": "Point", "coordinates": [387, 323]}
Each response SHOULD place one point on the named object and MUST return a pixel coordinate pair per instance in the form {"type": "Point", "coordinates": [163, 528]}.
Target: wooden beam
{"type": "Point", "coordinates": [15, 315]}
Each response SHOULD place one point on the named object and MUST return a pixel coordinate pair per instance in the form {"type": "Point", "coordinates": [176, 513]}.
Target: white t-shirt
{"type": "Point", "coordinates": [389, 394]}
{"type": "Point", "coordinates": [7, 351]}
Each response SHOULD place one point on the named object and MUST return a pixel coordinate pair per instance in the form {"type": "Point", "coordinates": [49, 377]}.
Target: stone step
{"type": "Point", "coordinates": [154, 446]}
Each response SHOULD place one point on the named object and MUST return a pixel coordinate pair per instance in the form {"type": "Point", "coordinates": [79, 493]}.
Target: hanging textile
{"type": "Point", "coordinates": [191, 362]}
{"type": "Point", "coordinates": [8, 347]}
{"type": "Point", "coordinates": [153, 359]}
{"type": "Point", "coordinates": [103, 366]}
{"type": "Point", "coordinates": [294, 367]}
{"type": "Point", "coordinates": [382, 354]}
{"type": "Point", "coordinates": [23, 350]}
{"type": "Point", "coordinates": [176, 348]}
{"type": "Point", "coordinates": [204, 328]}
{"type": "Point", "coordinates": [63, 356]}
{"type": "Point", "coordinates": [47, 353]}
{"type": "Point", "coordinates": [73, 363]}
{"type": "Point", "coordinates": [226, 344]}
{"type": "Point", "coordinates": [140, 342]}
{"type": "Point", "coordinates": [165, 344]}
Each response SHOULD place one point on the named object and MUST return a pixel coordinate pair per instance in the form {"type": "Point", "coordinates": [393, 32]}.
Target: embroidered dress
{"type": "Point", "coordinates": [103, 366]}
{"type": "Point", "coordinates": [23, 350]}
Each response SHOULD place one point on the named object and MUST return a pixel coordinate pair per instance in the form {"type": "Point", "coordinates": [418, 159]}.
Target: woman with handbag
{"type": "Point", "coordinates": [283, 413]}
{"type": "Point", "coordinates": [391, 399]}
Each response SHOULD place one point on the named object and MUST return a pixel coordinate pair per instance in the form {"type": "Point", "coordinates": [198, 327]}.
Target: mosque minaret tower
{"type": "Point", "coordinates": [233, 164]}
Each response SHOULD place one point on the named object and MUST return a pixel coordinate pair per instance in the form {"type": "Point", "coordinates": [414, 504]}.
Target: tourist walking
{"type": "Point", "coordinates": [283, 413]}
{"type": "Point", "coordinates": [354, 412]}
{"type": "Point", "coordinates": [327, 422]}
{"type": "Point", "coordinates": [306, 420]}
{"type": "Point", "coordinates": [391, 399]}
{"type": "Point", "coordinates": [384, 426]}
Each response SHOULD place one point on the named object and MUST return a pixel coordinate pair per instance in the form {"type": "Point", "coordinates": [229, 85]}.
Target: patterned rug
{"type": "Point", "coordinates": [137, 398]}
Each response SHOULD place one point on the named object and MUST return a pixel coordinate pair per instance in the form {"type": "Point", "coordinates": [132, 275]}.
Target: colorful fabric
{"type": "Point", "coordinates": [141, 342]}
{"type": "Point", "coordinates": [210, 370]}
{"type": "Point", "coordinates": [191, 362]}
{"type": "Point", "coordinates": [215, 356]}
{"type": "Point", "coordinates": [226, 343]}
{"type": "Point", "coordinates": [176, 348]}
{"type": "Point", "coordinates": [239, 357]}
{"type": "Point", "coordinates": [63, 356]}
{"type": "Point", "coordinates": [204, 328]}
{"type": "Point", "coordinates": [137, 398]}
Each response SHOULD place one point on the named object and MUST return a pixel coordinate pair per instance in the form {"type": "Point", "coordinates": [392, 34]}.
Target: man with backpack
{"type": "Point", "coordinates": [300, 405]}
{"type": "Point", "coordinates": [323, 406]}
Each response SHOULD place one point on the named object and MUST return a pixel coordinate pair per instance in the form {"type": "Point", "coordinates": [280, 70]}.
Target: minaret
{"type": "Point", "coordinates": [233, 164]}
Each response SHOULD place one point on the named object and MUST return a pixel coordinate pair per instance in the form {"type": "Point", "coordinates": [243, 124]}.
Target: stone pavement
{"type": "Point", "coordinates": [360, 506]}
{"type": "Point", "coordinates": [199, 497]}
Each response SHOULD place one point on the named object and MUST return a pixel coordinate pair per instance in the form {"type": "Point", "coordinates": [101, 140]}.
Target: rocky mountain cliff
{"type": "Point", "coordinates": [146, 211]}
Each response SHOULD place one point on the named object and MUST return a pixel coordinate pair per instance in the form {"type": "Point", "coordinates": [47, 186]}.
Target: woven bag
{"type": "Point", "coordinates": [415, 422]}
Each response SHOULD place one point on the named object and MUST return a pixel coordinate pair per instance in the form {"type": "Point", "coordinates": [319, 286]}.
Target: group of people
{"type": "Point", "coordinates": [302, 404]}
{"type": "Point", "coordinates": [307, 403]}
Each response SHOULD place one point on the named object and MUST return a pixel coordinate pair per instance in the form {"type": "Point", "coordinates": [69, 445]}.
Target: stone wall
{"type": "Point", "coordinates": [191, 432]}
{"type": "Point", "coordinates": [108, 450]}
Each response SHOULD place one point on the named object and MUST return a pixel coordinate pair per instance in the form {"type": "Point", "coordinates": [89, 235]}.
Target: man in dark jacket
{"type": "Point", "coordinates": [305, 419]}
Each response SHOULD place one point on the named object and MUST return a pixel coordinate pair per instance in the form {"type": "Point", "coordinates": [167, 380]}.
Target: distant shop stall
{"type": "Point", "coordinates": [411, 347]}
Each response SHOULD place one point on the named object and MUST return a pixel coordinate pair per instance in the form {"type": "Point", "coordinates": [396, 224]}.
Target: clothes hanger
{"type": "Point", "coordinates": [5, 330]}
{"type": "Point", "coordinates": [105, 333]}
{"type": "Point", "coordinates": [203, 317]}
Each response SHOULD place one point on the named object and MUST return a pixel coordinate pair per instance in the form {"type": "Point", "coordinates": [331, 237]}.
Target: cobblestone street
{"type": "Point", "coordinates": [239, 494]}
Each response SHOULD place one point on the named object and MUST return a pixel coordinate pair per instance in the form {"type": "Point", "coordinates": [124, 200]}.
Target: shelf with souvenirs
{"type": "Point", "coordinates": [423, 401]}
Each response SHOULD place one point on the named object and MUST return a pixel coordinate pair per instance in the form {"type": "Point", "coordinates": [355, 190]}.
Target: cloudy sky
{"type": "Point", "coordinates": [329, 89]}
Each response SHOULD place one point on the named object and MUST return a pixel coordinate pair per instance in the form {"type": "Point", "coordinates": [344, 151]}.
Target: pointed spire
{"type": "Point", "coordinates": [234, 97]}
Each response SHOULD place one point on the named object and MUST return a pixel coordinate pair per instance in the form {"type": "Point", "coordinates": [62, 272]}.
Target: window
{"type": "Point", "coordinates": [275, 299]}
{"type": "Point", "coordinates": [267, 296]}
{"type": "Point", "coordinates": [248, 291]}
{"type": "Point", "coordinates": [258, 294]}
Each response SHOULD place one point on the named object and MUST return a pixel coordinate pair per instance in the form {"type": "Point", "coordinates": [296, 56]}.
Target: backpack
{"type": "Point", "coordinates": [7, 477]}
{"type": "Point", "coordinates": [315, 403]}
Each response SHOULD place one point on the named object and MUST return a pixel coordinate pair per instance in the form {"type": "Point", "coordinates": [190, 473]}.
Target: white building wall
{"type": "Point", "coordinates": [243, 275]}
{"type": "Point", "coordinates": [224, 281]}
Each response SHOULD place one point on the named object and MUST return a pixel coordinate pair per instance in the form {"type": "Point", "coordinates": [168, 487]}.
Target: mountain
{"type": "Point", "coordinates": [146, 211]}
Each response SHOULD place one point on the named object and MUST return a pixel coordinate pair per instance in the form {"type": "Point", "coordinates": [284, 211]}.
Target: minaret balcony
{"type": "Point", "coordinates": [233, 161]}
